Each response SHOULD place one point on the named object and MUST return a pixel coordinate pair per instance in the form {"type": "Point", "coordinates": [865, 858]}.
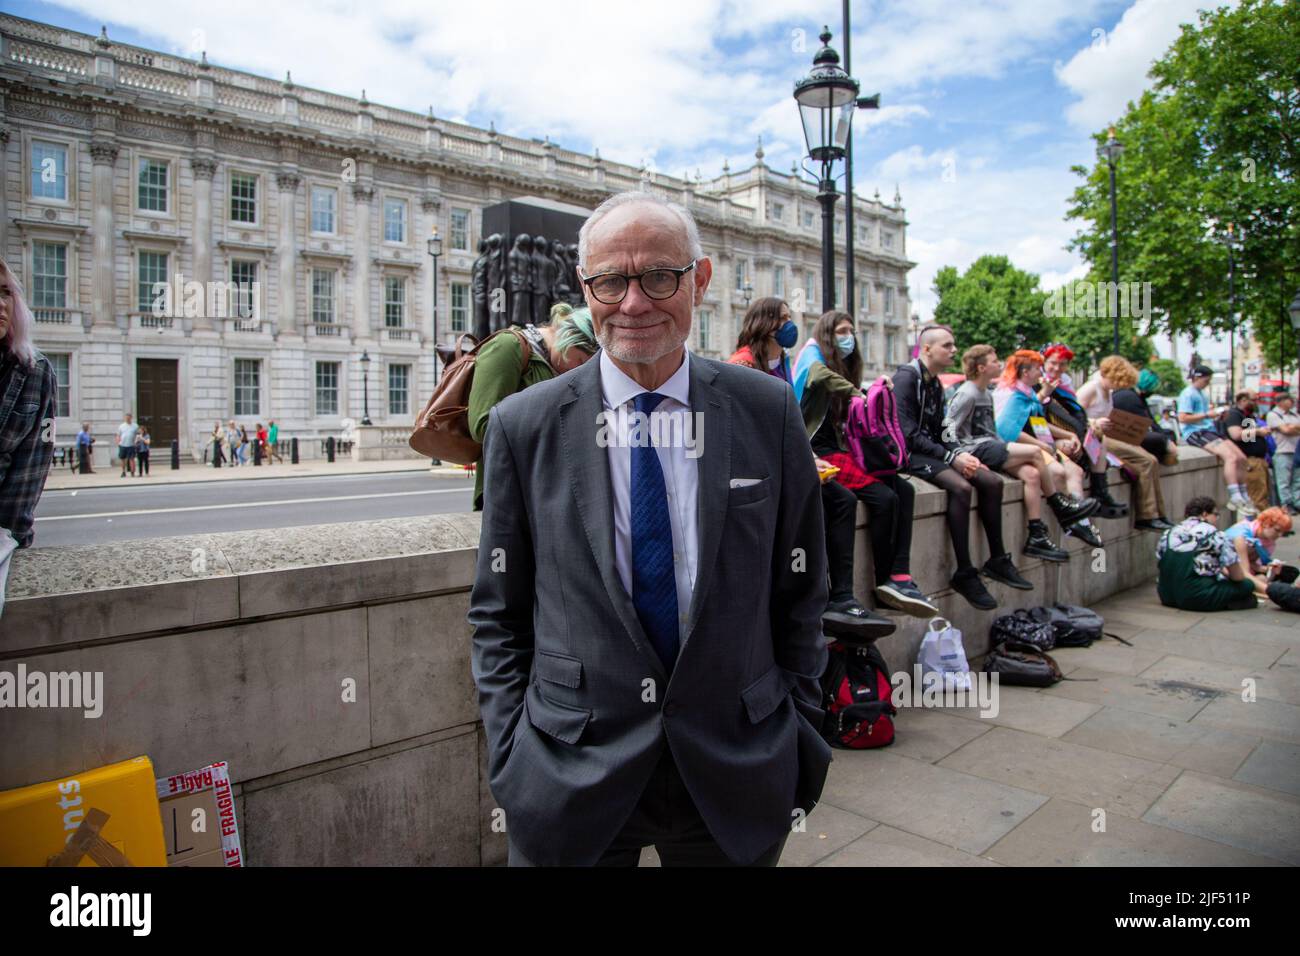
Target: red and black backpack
{"type": "Point", "coordinates": [856, 698]}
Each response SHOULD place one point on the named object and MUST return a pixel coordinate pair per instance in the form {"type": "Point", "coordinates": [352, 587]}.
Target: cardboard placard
{"type": "Point", "coordinates": [1127, 427]}
{"type": "Point", "coordinates": [198, 816]}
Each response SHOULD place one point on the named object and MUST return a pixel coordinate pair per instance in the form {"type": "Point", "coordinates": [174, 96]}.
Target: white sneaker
{"type": "Point", "coordinates": [1244, 506]}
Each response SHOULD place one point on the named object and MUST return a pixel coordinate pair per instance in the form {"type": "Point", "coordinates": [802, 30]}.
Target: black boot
{"type": "Point", "coordinates": [967, 583]}
{"type": "Point", "coordinates": [1085, 532]}
{"type": "Point", "coordinates": [1001, 568]}
{"type": "Point", "coordinates": [854, 624]}
{"type": "Point", "coordinates": [1039, 545]}
{"type": "Point", "coordinates": [1110, 508]}
{"type": "Point", "coordinates": [1068, 509]}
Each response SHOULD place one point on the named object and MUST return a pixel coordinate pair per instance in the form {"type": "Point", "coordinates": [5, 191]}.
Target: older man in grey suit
{"type": "Point", "coordinates": [647, 616]}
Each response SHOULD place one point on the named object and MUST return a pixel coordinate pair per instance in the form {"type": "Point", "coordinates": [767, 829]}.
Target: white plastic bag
{"type": "Point", "coordinates": [942, 653]}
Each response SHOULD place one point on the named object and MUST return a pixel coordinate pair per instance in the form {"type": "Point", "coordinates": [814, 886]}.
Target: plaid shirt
{"type": "Point", "coordinates": [27, 397]}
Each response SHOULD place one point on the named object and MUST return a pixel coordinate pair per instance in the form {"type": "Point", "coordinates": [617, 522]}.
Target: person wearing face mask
{"type": "Point", "coordinates": [766, 332]}
{"type": "Point", "coordinates": [826, 373]}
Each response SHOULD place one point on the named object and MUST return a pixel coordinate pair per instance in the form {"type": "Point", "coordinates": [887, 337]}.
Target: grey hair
{"type": "Point", "coordinates": [631, 196]}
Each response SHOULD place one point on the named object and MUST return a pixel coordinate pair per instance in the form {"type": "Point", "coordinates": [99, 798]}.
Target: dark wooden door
{"type": "Point", "coordinates": [156, 399]}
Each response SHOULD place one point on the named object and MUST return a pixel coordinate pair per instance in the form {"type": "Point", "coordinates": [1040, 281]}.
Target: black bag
{"type": "Point", "coordinates": [1072, 626]}
{"type": "Point", "coordinates": [1022, 665]}
{"type": "Point", "coordinates": [1021, 627]}
{"type": "Point", "coordinates": [856, 697]}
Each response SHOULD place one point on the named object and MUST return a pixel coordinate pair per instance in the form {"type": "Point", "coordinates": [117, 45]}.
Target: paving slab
{"type": "Point", "coordinates": [1114, 782]}
{"type": "Point", "coordinates": [955, 809]}
{"type": "Point", "coordinates": [1106, 655]}
{"type": "Point", "coordinates": [1167, 619]}
{"type": "Point", "coordinates": [1062, 833]}
{"type": "Point", "coordinates": [1253, 819]}
{"type": "Point", "coordinates": [887, 846]}
{"type": "Point", "coordinates": [1025, 708]}
{"type": "Point", "coordinates": [826, 830]}
{"type": "Point", "coordinates": [930, 734]}
{"type": "Point", "coordinates": [1272, 765]}
{"type": "Point", "coordinates": [1265, 682]}
{"type": "Point", "coordinates": [1203, 643]}
{"type": "Point", "coordinates": [1265, 718]}
{"type": "Point", "coordinates": [1162, 740]}
{"type": "Point", "coordinates": [1177, 701]}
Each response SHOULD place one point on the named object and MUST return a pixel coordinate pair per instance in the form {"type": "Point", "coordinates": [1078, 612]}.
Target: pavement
{"type": "Point", "coordinates": [1146, 755]}
{"type": "Point", "coordinates": [161, 473]}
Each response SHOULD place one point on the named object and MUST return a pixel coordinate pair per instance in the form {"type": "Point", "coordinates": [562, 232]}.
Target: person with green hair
{"type": "Point", "coordinates": [557, 347]}
{"type": "Point", "coordinates": [1157, 441]}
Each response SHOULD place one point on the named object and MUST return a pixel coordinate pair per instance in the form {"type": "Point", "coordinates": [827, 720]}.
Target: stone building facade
{"type": "Point", "coordinates": [288, 227]}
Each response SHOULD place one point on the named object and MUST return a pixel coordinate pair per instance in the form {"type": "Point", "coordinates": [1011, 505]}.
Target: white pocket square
{"type": "Point", "coordinates": [744, 482]}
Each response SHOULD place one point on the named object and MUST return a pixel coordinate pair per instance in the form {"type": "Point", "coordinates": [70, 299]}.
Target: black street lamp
{"type": "Point", "coordinates": [1231, 241]}
{"type": "Point", "coordinates": [434, 244]}
{"type": "Point", "coordinates": [1294, 309]}
{"type": "Point", "coordinates": [827, 98]}
{"type": "Point", "coordinates": [747, 290]}
{"type": "Point", "coordinates": [1111, 151]}
{"type": "Point", "coordinates": [365, 388]}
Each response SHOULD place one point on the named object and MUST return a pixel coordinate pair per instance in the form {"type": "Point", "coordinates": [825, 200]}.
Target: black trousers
{"type": "Point", "coordinates": [889, 502]}
{"type": "Point", "coordinates": [665, 818]}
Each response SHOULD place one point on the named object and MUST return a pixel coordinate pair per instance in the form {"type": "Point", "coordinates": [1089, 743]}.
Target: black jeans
{"type": "Point", "coordinates": [889, 502]}
{"type": "Point", "coordinates": [839, 512]}
{"type": "Point", "coordinates": [666, 818]}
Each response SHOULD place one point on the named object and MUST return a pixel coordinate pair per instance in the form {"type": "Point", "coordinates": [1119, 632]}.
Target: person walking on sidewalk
{"type": "Point", "coordinates": [126, 433]}
{"type": "Point", "coordinates": [273, 440]}
{"type": "Point", "coordinates": [142, 443]}
{"type": "Point", "coordinates": [232, 444]}
{"type": "Point", "coordinates": [261, 437]}
{"type": "Point", "coordinates": [85, 449]}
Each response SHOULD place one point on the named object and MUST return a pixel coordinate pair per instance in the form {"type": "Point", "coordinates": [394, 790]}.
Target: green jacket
{"type": "Point", "coordinates": [496, 376]}
{"type": "Point", "coordinates": [821, 386]}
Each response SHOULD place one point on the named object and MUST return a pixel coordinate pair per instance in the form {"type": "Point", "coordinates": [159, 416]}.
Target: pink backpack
{"type": "Point", "coordinates": [873, 434]}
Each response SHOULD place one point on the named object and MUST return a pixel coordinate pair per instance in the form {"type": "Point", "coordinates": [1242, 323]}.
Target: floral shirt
{"type": "Point", "coordinates": [1214, 551]}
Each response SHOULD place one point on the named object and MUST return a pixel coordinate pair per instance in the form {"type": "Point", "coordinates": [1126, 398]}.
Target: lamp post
{"type": "Point", "coordinates": [1111, 151]}
{"type": "Point", "coordinates": [365, 388]}
{"type": "Point", "coordinates": [434, 244]}
{"type": "Point", "coordinates": [1230, 241]}
{"type": "Point", "coordinates": [747, 292]}
{"type": "Point", "coordinates": [865, 102]}
{"type": "Point", "coordinates": [1294, 309]}
{"type": "Point", "coordinates": [827, 99]}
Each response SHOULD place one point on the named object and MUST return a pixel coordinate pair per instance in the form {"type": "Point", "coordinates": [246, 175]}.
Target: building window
{"type": "Point", "coordinates": [62, 365]}
{"type": "Point", "coordinates": [778, 211]}
{"type": "Point", "coordinates": [151, 193]}
{"type": "Point", "coordinates": [839, 226]}
{"type": "Point", "coordinates": [248, 386]}
{"type": "Point", "coordinates": [49, 280]}
{"type": "Point", "coordinates": [866, 346]}
{"type": "Point", "coordinates": [891, 340]}
{"type": "Point", "coordinates": [810, 286]}
{"type": "Point", "coordinates": [864, 296]}
{"type": "Point", "coordinates": [327, 388]}
{"type": "Point", "coordinates": [889, 300]}
{"type": "Point", "coordinates": [460, 229]}
{"type": "Point", "coordinates": [809, 221]}
{"type": "Point", "coordinates": [152, 269]}
{"type": "Point", "coordinates": [49, 170]}
{"type": "Point", "coordinates": [243, 198]}
{"type": "Point", "coordinates": [322, 296]}
{"type": "Point", "coordinates": [704, 322]}
{"type": "Point", "coordinates": [399, 389]}
{"type": "Point", "coordinates": [887, 239]}
{"type": "Point", "coordinates": [862, 233]}
{"type": "Point", "coordinates": [778, 282]}
{"type": "Point", "coordinates": [394, 302]}
{"type": "Point", "coordinates": [460, 306]}
{"type": "Point", "coordinates": [394, 220]}
{"type": "Point", "coordinates": [324, 204]}
{"type": "Point", "coordinates": [742, 273]}
{"type": "Point", "coordinates": [243, 282]}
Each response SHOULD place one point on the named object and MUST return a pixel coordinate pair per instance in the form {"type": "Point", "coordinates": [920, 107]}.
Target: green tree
{"type": "Point", "coordinates": [1087, 328]}
{"type": "Point", "coordinates": [1171, 376]}
{"type": "Point", "coordinates": [993, 303]}
{"type": "Point", "coordinates": [1217, 141]}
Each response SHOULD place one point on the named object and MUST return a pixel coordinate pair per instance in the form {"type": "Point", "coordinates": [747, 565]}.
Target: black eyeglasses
{"type": "Point", "coordinates": [661, 283]}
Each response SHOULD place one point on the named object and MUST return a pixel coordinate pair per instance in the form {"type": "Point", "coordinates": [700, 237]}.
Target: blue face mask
{"type": "Point", "coordinates": [845, 344]}
{"type": "Point", "coordinates": [787, 334]}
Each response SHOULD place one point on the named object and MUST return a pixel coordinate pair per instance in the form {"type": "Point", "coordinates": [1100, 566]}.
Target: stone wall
{"type": "Point", "coordinates": [237, 647]}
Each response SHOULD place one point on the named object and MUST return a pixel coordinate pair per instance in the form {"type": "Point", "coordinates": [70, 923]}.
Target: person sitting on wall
{"type": "Point", "coordinates": [1197, 417]}
{"type": "Point", "coordinates": [1160, 440]}
{"type": "Point", "coordinates": [1198, 568]}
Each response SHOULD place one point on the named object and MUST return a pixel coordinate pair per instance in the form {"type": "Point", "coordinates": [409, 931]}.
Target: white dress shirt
{"type": "Point", "coordinates": [681, 476]}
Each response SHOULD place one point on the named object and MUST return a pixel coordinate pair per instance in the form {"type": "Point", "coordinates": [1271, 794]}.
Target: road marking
{"type": "Point", "coordinates": [251, 504]}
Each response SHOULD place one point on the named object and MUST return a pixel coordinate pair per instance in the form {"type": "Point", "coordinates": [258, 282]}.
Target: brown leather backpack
{"type": "Point", "coordinates": [442, 429]}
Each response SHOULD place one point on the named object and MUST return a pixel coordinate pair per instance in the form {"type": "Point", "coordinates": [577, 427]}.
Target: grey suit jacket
{"type": "Point", "coordinates": [575, 702]}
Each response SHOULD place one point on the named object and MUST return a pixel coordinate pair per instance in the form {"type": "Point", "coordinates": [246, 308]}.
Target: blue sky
{"type": "Point", "coordinates": [985, 104]}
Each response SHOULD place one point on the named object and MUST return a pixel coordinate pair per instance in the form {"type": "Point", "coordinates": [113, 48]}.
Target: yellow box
{"type": "Point", "coordinates": [36, 822]}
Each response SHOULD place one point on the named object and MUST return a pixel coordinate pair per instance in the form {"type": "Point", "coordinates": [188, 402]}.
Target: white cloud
{"type": "Point", "coordinates": [1112, 69]}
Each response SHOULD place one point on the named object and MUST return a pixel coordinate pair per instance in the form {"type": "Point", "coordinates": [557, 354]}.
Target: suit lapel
{"type": "Point", "coordinates": [587, 465]}
{"type": "Point", "coordinates": [714, 473]}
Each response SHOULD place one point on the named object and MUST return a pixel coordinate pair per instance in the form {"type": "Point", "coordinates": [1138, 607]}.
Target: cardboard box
{"type": "Point", "coordinates": [37, 822]}
{"type": "Point", "coordinates": [198, 818]}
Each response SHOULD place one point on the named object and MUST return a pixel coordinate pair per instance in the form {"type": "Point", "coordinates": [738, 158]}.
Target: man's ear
{"type": "Point", "coordinates": [703, 275]}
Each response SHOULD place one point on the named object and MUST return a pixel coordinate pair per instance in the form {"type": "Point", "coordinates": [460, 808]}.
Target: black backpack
{"type": "Point", "coordinates": [1023, 665]}
{"type": "Point", "coordinates": [1021, 627]}
{"type": "Point", "coordinates": [1072, 626]}
{"type": "Point", "coordinates": [856, 698]}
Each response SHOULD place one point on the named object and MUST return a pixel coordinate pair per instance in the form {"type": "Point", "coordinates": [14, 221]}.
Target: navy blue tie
{"type": "Point", "coordinates": [654, 585]}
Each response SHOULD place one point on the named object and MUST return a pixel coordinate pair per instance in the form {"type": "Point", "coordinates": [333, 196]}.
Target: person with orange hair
{"type": "Point", "coordinates": [1254, 540]}
{"type": "Point", "coordinates": [1020, 418]}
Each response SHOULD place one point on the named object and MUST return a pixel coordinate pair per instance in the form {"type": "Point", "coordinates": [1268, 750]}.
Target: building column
{"type": "Point", "coordinates": [103, 303]}
{"type": "Point", "coordinates": [286, 252]}
{"type": "Point", "coordinates": [204, 168]}
{"type": "Point", "coordinates": [362, 324]}
{"type": "Point", "coordinates": [4, 193]}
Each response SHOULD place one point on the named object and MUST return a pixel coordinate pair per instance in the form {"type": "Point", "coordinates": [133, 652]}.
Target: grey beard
{"type": "Point", "coordinates": [604, 340]}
